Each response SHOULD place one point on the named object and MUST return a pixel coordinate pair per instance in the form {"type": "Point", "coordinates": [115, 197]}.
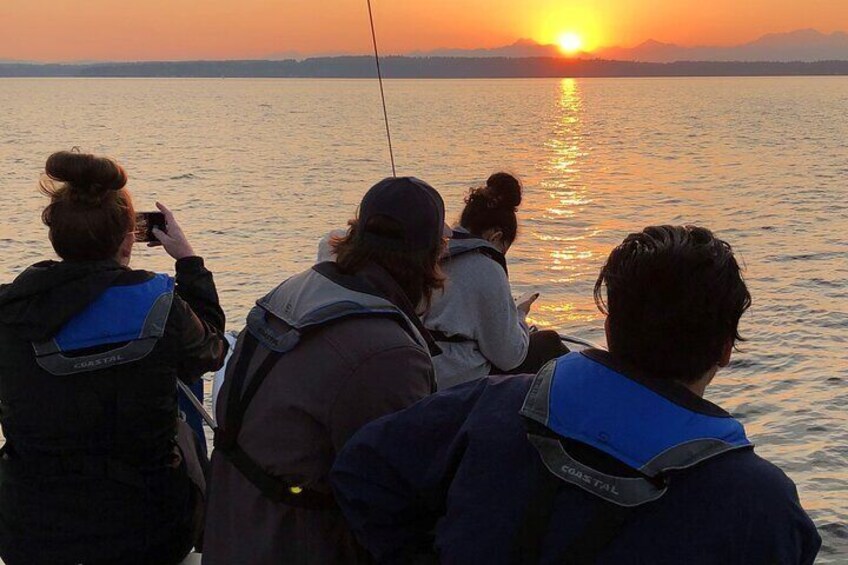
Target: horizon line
{"type": "Point", "coordinates": [563, 58]}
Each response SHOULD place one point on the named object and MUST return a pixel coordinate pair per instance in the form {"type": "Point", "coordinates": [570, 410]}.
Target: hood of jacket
{"type": "Point", "coordinates": [45, 296]}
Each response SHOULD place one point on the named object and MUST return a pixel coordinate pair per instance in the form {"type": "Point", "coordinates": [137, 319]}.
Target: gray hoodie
{"type": "Point", "coordinates": [476, 304]}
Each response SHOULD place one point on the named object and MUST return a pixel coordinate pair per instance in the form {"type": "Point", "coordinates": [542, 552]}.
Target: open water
{"type": "Point", "coordinates": [258, 170]}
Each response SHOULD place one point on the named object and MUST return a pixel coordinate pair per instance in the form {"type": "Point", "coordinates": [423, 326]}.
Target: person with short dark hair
{"type": "Point", "coordinates": [96, 467]}
{"type": "Point", "coordinates": [602, 457]}
{"type": "Point", "coordinates": [478, 325]}
{"type": "Point", "coordinates": [327, 351]}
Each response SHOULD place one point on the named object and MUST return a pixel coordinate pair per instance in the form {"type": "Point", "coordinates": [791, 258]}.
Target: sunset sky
{"type": "Point", "coordinates": [74, 30]}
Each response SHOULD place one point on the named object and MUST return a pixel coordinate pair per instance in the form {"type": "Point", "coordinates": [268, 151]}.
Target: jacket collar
{"type": "Point", "coordinates": [48, 294]}
{"type": "Point", "coordinates": [671, 390]}
{"type": "Point", "coordinates": [375, 280]}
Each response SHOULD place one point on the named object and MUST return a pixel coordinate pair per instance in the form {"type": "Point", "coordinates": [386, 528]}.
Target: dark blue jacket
{"type": "Point", "coordinates": [455, 472]}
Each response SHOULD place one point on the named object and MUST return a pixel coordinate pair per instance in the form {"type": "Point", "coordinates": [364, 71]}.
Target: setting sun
{"type": "Point", "coordinates": [570, 43]}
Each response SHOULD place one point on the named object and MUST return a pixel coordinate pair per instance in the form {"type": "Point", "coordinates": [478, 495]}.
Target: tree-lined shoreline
{"type": "Point", "coordinates": [422, 67]}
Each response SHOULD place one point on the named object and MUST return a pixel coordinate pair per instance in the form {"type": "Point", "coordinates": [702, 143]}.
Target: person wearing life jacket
{"type": "Point", "coordinates": [96, 467]}
{"type": "Point", "coordinates": [327, 351]}
{"type": "Point", "coordinates": [602, 457]}
{"type": "Point", "coordinates": [476, 322]}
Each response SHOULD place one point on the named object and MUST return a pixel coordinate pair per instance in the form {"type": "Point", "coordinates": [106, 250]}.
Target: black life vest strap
{"type": "Point", "coordinates": [489, 252]}
{"type": "Point", "coordinates": [442, 337]}
{"type": "Point", "coordinates": [537, 518]}
{"type": "Point", "coordinates": [272, 487]}
{"type": "Point", "coordinates": [606, 522]}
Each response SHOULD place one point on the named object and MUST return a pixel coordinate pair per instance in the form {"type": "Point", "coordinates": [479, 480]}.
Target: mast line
{"type": "Point", "coordinates": [382, 93]}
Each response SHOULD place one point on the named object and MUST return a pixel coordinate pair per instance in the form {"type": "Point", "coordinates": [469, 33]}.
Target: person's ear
{"type": "Point", "coordinates": [496, 238]}
{"type": "Point", "coordinates": [125, 250]}
{"type": "Point", "coordinates": [726, 352]}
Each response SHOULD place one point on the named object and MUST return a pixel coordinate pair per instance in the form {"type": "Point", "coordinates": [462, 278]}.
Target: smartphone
{"type": "Point", "coordinates": [144, 224]}
{"type": "Point", "coordinates": [527, 297]}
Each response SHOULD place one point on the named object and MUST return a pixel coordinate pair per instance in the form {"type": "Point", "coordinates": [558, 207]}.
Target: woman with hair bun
{"type": "Point", "coordinates": [479, 327]}
{"type": "Point", "coordinates": [96, 467]}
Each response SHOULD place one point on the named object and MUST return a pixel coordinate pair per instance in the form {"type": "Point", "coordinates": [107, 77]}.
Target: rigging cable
{"type": "Point", "coordinates": [382, 93]}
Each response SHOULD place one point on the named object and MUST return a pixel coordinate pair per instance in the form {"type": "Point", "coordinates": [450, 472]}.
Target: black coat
{"type": "Point", "coordinates": [57, 497]}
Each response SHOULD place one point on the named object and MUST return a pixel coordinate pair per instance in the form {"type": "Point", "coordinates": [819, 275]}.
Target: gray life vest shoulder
{"type": "Point", "coordinates": [310, 300]}
{"type": "Point", "coordinates": [462, 243]}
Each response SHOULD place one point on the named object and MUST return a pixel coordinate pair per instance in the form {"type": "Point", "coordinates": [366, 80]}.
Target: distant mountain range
{"type": "Point", "coordinates": [520, 49]}
{"type": "Point", "coordinates": [803, 52]}
{"type": "Point", "coordinates": [800, 45]}
{"type": "Point", "coordinates": [805, 45]}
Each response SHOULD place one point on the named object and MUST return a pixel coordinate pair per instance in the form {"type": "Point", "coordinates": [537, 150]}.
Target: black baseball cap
{"type": "Point", "coordinates": [415, 205]}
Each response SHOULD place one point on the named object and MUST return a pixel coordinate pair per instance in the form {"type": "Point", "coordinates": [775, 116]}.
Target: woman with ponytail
{"type": "Point", "coordinates": [477, 324]}
{"type": "Point", "coordinates": [96, 467]}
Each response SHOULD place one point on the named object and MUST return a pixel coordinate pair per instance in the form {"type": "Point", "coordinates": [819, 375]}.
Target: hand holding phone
{"type": "Point", "coordinates": [171, 237]}
{"type": "Point", "coordinates": [525, 301]}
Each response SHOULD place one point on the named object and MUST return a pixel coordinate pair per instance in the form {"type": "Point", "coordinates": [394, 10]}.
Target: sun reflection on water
{"type": "Point", "coordinates": [565, 237]}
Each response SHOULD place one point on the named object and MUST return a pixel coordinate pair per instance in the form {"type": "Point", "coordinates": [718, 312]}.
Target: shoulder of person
{"type": "Point", "coordinates": [756, 472]}
{"type": "Point", "coordinates": [130, 277]}
{"type": "Point", "coordinates": [763, 495]}
{"type": "Point", "coordinates": [749, 476]}
{"type": "Point", "coordinates": [507, 389]}
{"type": "Point", "coordinates": [476, 270]}
{"type": "Point", "coordinates": [357, 339]}
{"type": "Point", "coordinates": [491, 401]}
{"type": "Point", "coordinates": [136, 276]}
{"type": "Point", "coordinates": [473, 260]}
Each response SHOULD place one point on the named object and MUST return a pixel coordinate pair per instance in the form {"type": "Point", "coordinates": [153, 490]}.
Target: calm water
{"type": "Point", "coordinates": [259, 169]}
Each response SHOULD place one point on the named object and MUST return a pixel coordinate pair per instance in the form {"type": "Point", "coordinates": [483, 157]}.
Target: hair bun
{"type": "Point", "coordinates": [503, 190]}
{"type": "Point", "coordinates": [89, 178]}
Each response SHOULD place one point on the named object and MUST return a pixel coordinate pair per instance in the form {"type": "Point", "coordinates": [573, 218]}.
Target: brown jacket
{"type": "Point", "coordinates": [338, 378]}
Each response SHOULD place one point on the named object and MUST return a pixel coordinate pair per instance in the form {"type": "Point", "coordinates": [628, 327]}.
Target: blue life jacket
{"type": "Point", "coordinates": [462, 242]}
{"type": "Point", "coordinates": [131, 319]}
{"type": "Point", "coordinates": [581, 399]}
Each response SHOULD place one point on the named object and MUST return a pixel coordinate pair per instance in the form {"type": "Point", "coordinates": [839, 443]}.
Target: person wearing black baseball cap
{"type": "Point", "coordinates": [324, 353]}
{"type": "Point", "coordinates": [416, 208]}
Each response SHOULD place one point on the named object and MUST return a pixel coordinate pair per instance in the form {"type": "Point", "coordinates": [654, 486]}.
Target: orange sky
{"type": "Point", "coordinates": [72, 30]}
